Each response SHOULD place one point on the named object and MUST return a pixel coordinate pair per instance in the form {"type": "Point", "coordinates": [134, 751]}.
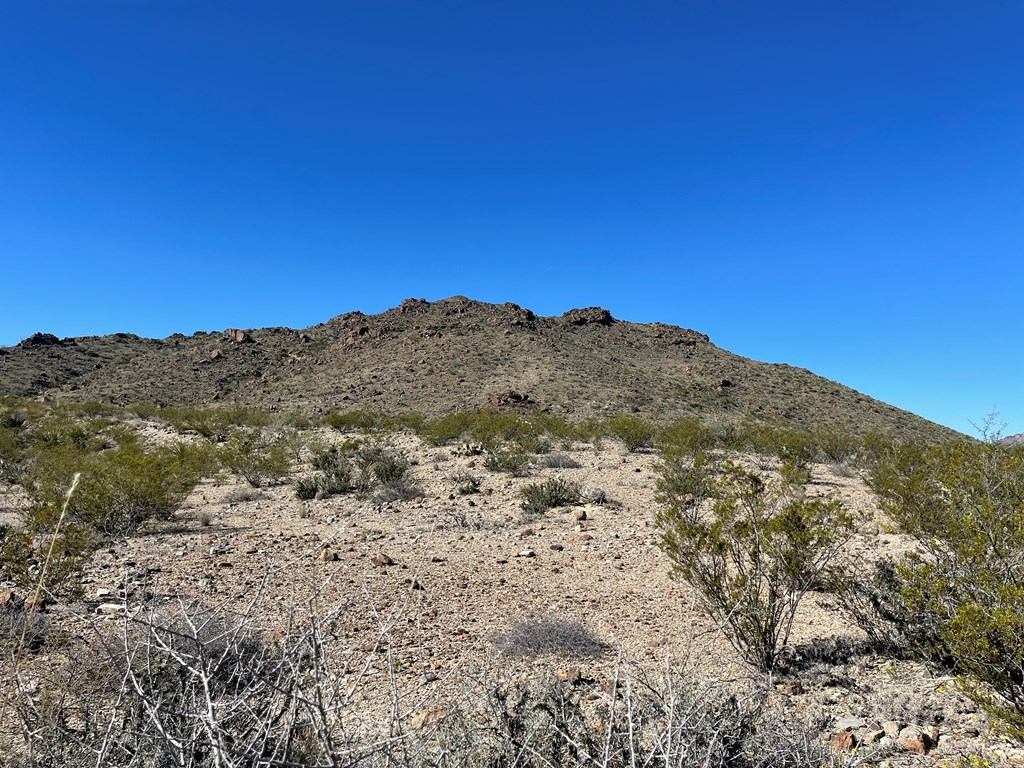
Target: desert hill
{"type": "Point", "coordinates": [436, 357]}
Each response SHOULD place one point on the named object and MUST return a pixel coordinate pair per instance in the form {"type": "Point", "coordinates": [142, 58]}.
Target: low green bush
{"type": "Point", "coordinates": [538, 498]}
{"type": "Point", "coordinates": [254, 457]}
{"type": "Point", "coordinates": [751, 548]}
{"type": "Point", "coordinates": [635, 433]}
{"type": "Point", "coordinates": [963, 503]}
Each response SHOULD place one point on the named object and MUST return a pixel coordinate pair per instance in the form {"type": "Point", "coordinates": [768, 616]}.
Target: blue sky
{"type": "Point", "coordinates": [834, 185]}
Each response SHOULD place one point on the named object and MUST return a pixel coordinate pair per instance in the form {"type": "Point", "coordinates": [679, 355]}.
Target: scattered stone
{"type": "Point", "coordinates": [850, 723]}
{"type": "Point", "coordinates": [381, 560]}
{"type": "Point", "coordinates": [237, 336]}
{"type": "Point", "coordinates": [914, 739]}
{"type": "Point", "coordinates": [589, 316]}
{"type": "Point", "coordinates": [525, 553]}
{"type": "Point", "coordinates": [581, 513]}
{"type": "Point", "coordinates": [844, 741]}
{"type": "Point", "coordinates": [110, 609]}
{"type": "Point", "coordinates": [507, 398]}
{"type": "Point", "coordinates": [216, 355]}
{"type": "Point", "coordinates": [11, 600]}
{"type": "Point", "coordinates": [557, 547]}
{"type": "Point", "coordinates": [570, 675]}
{"type": "Point", "coordinates": [328, 555]}
{"type": "Point", "coordinates": [873, 736]}
{"type": "Point", "coordinates": [892, 728]}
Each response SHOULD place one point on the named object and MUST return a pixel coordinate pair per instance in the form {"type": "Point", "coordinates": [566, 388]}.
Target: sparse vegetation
{"type": "Point", "coordinates": [538, 498]}
{"type": "Point", "coordinates": [752, 548]}
{"type": "Point", "coordinates": [538, 635]}
{"type": "Point", "coordinates": [255, 457]}
{"type": "Point", "coordinates": [963, 502]}
{"type": "Point", "coordinates": [634, 432]}
{"type": "Point", "coordinates": [511, 460]}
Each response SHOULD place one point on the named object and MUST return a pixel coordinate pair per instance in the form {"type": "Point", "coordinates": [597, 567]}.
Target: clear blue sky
{"type": "Point", "coordinates": [836, 185]}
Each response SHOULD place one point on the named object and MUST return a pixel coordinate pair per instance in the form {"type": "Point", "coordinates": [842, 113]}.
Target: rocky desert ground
{"type": "Point", "coordinates": [435, 592]}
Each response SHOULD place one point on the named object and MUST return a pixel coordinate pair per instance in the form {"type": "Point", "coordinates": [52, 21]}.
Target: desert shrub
{"type": "Point", "coordinates": [512, 460]}
{"type": "Point", "coordinates": [292, 702]}
{"type": "Point", "coordinates": [538, 498]}
{"type": "Point", "coordinates": [593, 495]}
{"type": "Point", "coordinates": [635, 433]}
{"type": "Point", "coordinates": [381, 464]}
{"type": "Point", "coordinates": [793, 446]}
{"type": "Point", "coordinates": [558, 461]}
{"type": "Point", "coordinates": [14, 443]}
{"type": "Point", "coordinates": [447, 428]}
{"type": "Point", "coordinates": [254, 457]}
{"type": "Point", "coordinates": [963, 502]}
{"type": "Point", "coordinates": [22, 629]}
{"type": "Point", "coordinates": [306, 488]}
{"type": "Point", "coordinates": [538, 635]}
{"type": "Point", "coordinates": [465, 483]}
{"type": "Point", "coordinates": [119, 490]}
{"type": "Point", "coordinates": [334, 476]}
{"type": "Point", "coordinates": [368, 422]}
{"type": "Point", "coordinates": [835, 444]}
{"type": "Point", "coordinates": [686, 437]}
{"type": "Point", "coordinates": [499, 428]}
{"type": "Point", "coordinates": [751, 548]}
{"type": "Point", "coordinates": [557, 427]}
{"type": "Point", "coordinates": [216, 423]}
{"type": "Point", "coordinates": [64, 551]}
{"type": "Point", "coordinates": [384, 471]}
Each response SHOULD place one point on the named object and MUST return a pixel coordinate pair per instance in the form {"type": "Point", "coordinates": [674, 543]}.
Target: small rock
{"type": "Point", "coordinates": [844, 741]}
{"type": "Point", "coordinates": [873, 736]}
{"type": "Point", "coordinates": [581, 513]}
{"type": "Point", "coordinates": [328, 556]}
{"type": "Point", "coordinates": [850, 723]}
{"type": "Point", "coordinates": [913, 739]}
{"type": "Point", "coordinates": [11, 599]}
{"type": "Point", "coordinates": [381, 560]}
{"type": "Point", "coordinates": [429, 677]}
{"type": "Point", "coordinates": [571, 675]}
{"type": "Point", "coordinates": [110, 609]}
{"type": "Point", "coordinates": [557, 547]}
{"type": "Point", "coordinates": [892, 728]}
{"type": "Point", "coordinates": [526, 553]}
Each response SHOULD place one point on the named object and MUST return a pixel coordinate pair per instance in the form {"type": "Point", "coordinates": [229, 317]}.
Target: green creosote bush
{"type": "Point", "coordinates": [354, 421]}
{"type": "Point", "coordinates": [384, 471]}
{"type": "Point", "coordinates": [254, 457]}
{"type": "Point", "coordinates": [963, 502]}
{"type": "Point", "coordinates": [635, 433]}
{"type": "Point", "coordinates": [216, 423]}
{"type": "Point", "coordinates": [751, 548]}
{"type": "Point", "coordinates": [120, 488]}
{"type": "Point", "coordinates": [686, 437]}
{"type": "Point", "coordinates": [538, 498]}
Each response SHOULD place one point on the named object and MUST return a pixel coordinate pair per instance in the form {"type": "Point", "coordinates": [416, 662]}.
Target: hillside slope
{"type": "Point", "coordinates": [435, 357]}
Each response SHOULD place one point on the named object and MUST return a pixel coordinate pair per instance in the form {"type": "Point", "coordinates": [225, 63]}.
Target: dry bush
{"type": "Point", "coordinates": [538, 635]}
{"type": "Point", "coordinates": [191, 687]}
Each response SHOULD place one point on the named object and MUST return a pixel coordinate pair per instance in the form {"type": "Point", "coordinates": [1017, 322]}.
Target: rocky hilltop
{"type": "Point", "coordinates": [435, 357]}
